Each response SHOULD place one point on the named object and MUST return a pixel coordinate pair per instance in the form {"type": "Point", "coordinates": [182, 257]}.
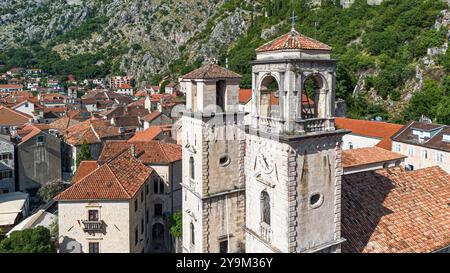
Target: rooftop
{"type": "Point", "coordinates": [366, 156]}
{"type": "Point", "coordinates": [374, 129]}
{"type": "Point", "coordinates": [434, 142]}
{"type": "Point", "coordinates": [211, 71]}
{"type": "Point", "coordinates": [293, 40]}
{"type": "Point", "coordinates": [120, 178]}
{"type": "Point", "coordinates": [394, 211]}
{"type": "Point", "coordinates": [9, 117]}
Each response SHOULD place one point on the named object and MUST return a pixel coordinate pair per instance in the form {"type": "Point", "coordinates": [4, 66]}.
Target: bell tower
{"type": "Point", "coordinates": [213, 165]}
{"type": "Point", "coordinates": [293, 160]}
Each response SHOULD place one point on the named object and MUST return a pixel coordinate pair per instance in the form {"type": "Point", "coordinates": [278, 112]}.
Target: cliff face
{"type": "Point", "coordinates": [151, 32]}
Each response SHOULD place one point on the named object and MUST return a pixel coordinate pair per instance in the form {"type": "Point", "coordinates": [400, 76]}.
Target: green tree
{"type": "Point", "coordinates": [35, 240]}
{"type": "Point", "coordinates": [176, 224]}
{"type": "Point", "coordinates": [84, 154]}
{"type": "Point", "coordinates": [50, 190]}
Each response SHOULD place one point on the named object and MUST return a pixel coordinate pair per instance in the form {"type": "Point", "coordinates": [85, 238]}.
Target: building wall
{"type": "Point", "coordinates": [300, 170]}
{"type": "Point", "coordinates": [117, 226]}
{"type": "Point", "coordinates": [38, 164]}
{"type": "Point", "coordinates": [215, 189]}
{"type": "Point", "coordinates": [7, 184]}
{"type": "Point", "coordinates": [417, 160]}
{"type": "Point", "coordinates": [359, 141]}
{"type": "Point", "coordinates": [27, 108]}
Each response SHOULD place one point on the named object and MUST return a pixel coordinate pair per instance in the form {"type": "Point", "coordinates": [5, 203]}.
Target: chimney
{"type": "Point", "coordinates": [133, 150]}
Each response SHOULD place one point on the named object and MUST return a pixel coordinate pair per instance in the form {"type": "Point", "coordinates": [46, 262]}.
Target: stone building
{"type": "Point", "coordinates": [7, 177]}
{"type": "Point", "coordinates": [213, 167]}
{"type": "Point", "coordinates": [290, 159]}
{"type": "Point", "coordinates": [107, 209]}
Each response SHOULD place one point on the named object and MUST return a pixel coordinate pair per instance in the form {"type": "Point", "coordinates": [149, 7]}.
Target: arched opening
{"type": "Point", "coordinates": [265, 207]}
{"type": "Point", "coordinates": [158, 232]}
{"type": "Point", "coordinates": [269, 105]}
{"type": "Point", "coordinates": [312, 97]}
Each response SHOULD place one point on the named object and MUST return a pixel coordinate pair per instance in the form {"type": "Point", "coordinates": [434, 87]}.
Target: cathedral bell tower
{"type": "Point", "coordinates": [213, 165]}
{"type": "Point", "coordinates": [293, 161]}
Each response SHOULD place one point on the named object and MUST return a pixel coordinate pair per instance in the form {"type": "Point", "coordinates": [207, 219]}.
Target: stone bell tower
{"type": "Point", "coordinates": [213, 162]}
{"type": "Point", "coordinates": [293, 160]}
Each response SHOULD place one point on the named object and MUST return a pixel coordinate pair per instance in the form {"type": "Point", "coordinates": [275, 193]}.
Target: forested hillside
{"type": "Point", "coordinates": [382, 50]}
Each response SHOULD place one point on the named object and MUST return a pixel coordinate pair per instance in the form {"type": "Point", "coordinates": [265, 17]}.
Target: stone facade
{"type": "Point", "coordinates": [119, 221]}
{"type": "Point", "coordinates": [38, 162]}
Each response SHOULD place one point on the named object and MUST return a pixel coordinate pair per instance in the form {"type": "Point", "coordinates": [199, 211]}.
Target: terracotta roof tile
{"type": "Point", "coordinates": [395, 211]}
{"type": "Point", "coordinates": [9, 117]}
{"type": "Point", "coordinates": [119, 178]}
{"type": "Point", "coordinates": [148, 134]}
{"type": "Point", "coordinates": [148, 152]}
{"type": "Point", "coordinates": [211, 71]}
{"type": "Point", "coordinates": [293, 40]}
{"type": "Point", "coordinates": [85, 168]}
{"type": "Point", "coordinates": [365, 156]}
{"type": "Point", "coordinates": [376, 129]}
{"type": "Point", "coordinates": [245, 95]}
{"type": "Point", "coordinates": [152, 116]}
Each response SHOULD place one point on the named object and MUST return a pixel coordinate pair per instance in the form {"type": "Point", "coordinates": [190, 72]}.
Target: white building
{"type": "Point", "coordinates": [424, 144]}
{"type": "Point", "coordinates": [108, 209]}
{"type": "Point", "coordinates": [366, 133]}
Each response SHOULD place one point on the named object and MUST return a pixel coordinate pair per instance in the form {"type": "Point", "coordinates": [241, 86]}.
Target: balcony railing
{"type": "Point", "coordinates": [92, 226]}
{"type": "Point", "coordinates": [301, 126]}
{"type": "Point", "coordinates": [266, 232]}
{"type": "Point", "coordinates": [316, 125]}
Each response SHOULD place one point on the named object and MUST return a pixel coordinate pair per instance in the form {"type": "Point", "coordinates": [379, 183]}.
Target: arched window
{"type": "Point", "coordinates": [269, 100]}
{"type": "Point", "coordinates": [265, 207]}
{"type": "Point", "coordinates": [191, 167]}
{"type": "Point", "coordinates": [192, 234]}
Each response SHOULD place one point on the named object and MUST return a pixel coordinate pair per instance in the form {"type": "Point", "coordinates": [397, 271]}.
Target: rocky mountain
{"type": "Point", "coordinates": [385, 51]}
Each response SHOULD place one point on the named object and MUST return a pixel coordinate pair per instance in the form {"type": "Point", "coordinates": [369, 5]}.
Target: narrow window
{"type": "Point", "coordinates": [142, 225]}
{"type": "Point", "coordinates": [192, 234]}
{"type": "Point", "coordinates": [265, 206]}
{"type": "Point", "coordinates": [223, 246]}
{"type": "Point", "coordinates": [142, 196]}
{"type": "Point", "coordinates": [191, 168]}
{"type": "Point", "coordinates": [350, 145]}
{"type": "Point", "coordinates": [135, 205]}
{"type": "Point", "coordinates": [136, 235]}
{"type": "Point", "coordinates": [155, 186]}
{"type": "Point", "coordinates": [158, 210]}
{"type": "Point", "coordinates": [161, 186]}
{"type": "Point", "coordinates": [94, 247]}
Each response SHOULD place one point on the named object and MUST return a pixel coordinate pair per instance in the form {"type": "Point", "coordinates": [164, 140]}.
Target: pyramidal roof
{"type": "Point", "coordinates": [211, 71]}
{"type": "Point", "coordinates": [293, 40]}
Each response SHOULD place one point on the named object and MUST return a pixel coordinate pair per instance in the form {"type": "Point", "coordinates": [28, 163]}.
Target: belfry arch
{"type": "Point", "coordinates": [268, 97]}
{"type": "Point", "coordinates": [314, 96]}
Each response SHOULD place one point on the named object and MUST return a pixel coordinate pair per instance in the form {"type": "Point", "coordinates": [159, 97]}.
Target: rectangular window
{"type": "Point", "coordinates": [94, 247]}
{"type": "Point", "coordinates": [93, 215]}
{"type": "Point", "coordinates": [223, 246]}
{"type": "Point", "coordinates": [440, 157]}
{"type": "Point", "coordinates": [40, 140]}
{"type": "Point", "coordinates": [161, 186]}
{"type": "Point", "coordinates": [146, 189]}
{"type": "Point", "coordinates": [135, 205]}
{"type": "Point", "coordinates": [136, 239]}
{"type": "Point", "coordinates": [424, 154]}
{"type": "Point", "coordinates": [397, 147]}
{"type": "Point", "coordinates": [142, 225]}
{"type": "Point", "coordinates": [142, 196]}
{"type": "Point", "coordinates": [155, 186]}
{"type": "Point", "coordinates": [158, 210]}
{"type": "Point", "coordinates": [146, 216]}
{"type": "Point", "coordinates": [411, 151]}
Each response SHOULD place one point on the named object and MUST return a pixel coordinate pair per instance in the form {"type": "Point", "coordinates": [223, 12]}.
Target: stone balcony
{"type": "Point", "coordinates": [300, 126]}
{"type": "Point", "coordinates": [265, 232]}
{"type": "Point", "coordinates": [92, 226]}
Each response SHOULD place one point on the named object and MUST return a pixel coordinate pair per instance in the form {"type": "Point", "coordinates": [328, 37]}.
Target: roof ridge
{"type": "Point", "coordinates": [118, 181]}
{"type": "Point", "coordinates": [164, 152]}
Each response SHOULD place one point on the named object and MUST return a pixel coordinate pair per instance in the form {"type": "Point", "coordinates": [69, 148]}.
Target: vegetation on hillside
{"type": "Point", "coordinates": [380, 44]}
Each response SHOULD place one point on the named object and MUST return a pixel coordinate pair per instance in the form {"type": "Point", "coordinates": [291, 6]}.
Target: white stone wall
{"type": "Point", "coordinates": [417, 159]}
{"type": "Point", "coordinates": [115, 214]}
{"type": "Point", "coordinates": [359, 141]}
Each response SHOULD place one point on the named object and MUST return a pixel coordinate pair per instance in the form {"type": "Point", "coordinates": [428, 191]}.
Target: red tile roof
{"type": "Point", "coordinates": [211, 71]}
{"type": "Point", "coordinates": [125, 86]}
{"type": "Point", "coordinates": [27, 132]}
{"type": "Point", "coordinates": [10, 117]}
{"type": "Point", "coordinates": [293, 40]}
{"type": "Point", "coordinates": [395, 211]}
{"type": "Point", "coordinates": [86, 167]}
{"type": "Point", "coordinates": [148, 152]}
{"type": "Point", "coordinates": [91, 131]}
{"type": "Point", "coordinates": [376, 129]}
{"type": "Point", "coordinates": [148, 134]}
{"type": "Point", "coordinates": [120, 178]}
{"type": "Point", "coordinates": [152, 116]}
{"type": "Point", "coordinates": [10, 86]}
{"type": "Point", "coordinates": [365, 156]}
{"type": "Point", "coordinates": [245, 95]}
